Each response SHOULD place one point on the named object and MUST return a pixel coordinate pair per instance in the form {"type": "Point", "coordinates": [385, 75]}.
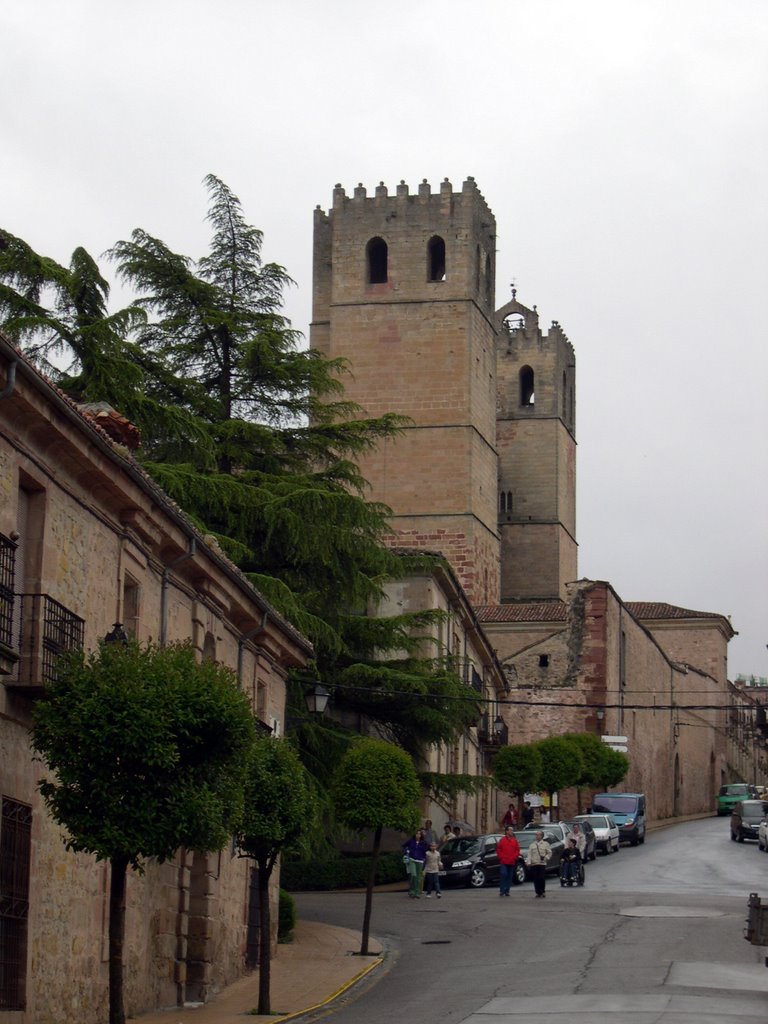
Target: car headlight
{"type": "Point", "coordinates": [461, 864]}
{"type": "Point", "coordinates": [629, 822]}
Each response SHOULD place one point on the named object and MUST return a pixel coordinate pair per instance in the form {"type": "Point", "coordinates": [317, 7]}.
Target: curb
{"type": "Point", "coordinates": [335, 995]}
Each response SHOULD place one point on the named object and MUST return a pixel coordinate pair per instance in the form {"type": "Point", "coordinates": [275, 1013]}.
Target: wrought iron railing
{"type": "Point", "coordinates": [48, 629]}
{"type": "Point", "coordinates": [15, 852]}
{"type": "Point", "coordinates": [493, 732]}
{"type": "Point", "coordinates": [7, 569]}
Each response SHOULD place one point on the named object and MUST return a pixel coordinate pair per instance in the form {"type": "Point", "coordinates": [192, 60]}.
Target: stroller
{"type": "Point", "coordinates": [571, 870]}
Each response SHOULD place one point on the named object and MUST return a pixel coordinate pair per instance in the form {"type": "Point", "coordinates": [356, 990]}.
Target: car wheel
{"type": "Point", "coordinates": [593, 855]}
{"type": "Point", "coordinates": [634, 842]}
{"type": "Point", "coordinates": [616, 848]}
{"type": "Point", "coordinates": [641, 840]}
{"type": "Point", "coordinates": [477, 877]}
{"type": "Point", "coordinates": [519, 874]}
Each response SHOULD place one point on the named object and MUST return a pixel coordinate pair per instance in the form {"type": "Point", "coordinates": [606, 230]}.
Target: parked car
{"type": "Point", "coordinates": [732, 794]}
{"type": "Point", "coordinates": [762, 836]}
{"type": "Point", "coordinates": [745, 819]}
{"type": "Point", "coordinates": [472, 861]}
{"type": "Point", "coordinates": [590, 850]}
{"type": "Point", "coordinates": [556, 834]}
{"type": "Point", "coordinates": [627, 810]}
{"type": "Point", "coordinates": [606, 831]}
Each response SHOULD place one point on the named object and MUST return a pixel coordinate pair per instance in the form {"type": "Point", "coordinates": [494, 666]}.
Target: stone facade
{"type": "Point", "coordinates": [486, 473]}
{"type": "Point", "coordinates": [87, 540]}
{"type": "Point", "coordinates": [403, 290]}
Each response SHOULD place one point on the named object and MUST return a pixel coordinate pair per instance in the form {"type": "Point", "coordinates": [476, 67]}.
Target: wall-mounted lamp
{"type": "Point", "coordinates": [116, 635]}
{"type": "Point", "coordinates": [600, 713]}
{"type": "Point", "coordinates": [317, 699]}
{"type": "Point", "coordinates": [498, 725]}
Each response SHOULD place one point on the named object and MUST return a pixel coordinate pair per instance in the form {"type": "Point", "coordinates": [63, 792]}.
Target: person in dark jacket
{"type": "Point", "coordinates": [570, 862]}
{"type": "Point", "coordinates": [415, 850]}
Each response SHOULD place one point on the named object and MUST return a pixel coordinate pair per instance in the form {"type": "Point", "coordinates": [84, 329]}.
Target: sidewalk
{"type": "Point", "coordinates": [309, 972]}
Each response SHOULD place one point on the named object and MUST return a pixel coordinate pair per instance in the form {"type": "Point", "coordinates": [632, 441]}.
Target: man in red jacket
{"type": "Point", "coordinates": [508, 852]}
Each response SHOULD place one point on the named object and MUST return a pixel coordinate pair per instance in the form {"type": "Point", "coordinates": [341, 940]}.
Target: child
{"type": "Point", "coordinates": [432, 869]}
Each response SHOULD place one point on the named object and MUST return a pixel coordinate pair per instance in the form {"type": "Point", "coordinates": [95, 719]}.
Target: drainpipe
{"type": "Point", "coordinates": [164, 588]}
{"type": "Point", "coordinates": [11, 380]}
{"type": "Point", "coordinates": [244, 638]}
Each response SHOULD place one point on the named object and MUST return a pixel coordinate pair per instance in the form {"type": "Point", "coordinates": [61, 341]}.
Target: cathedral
{"type": "Point", "coordinates": [485, 474]}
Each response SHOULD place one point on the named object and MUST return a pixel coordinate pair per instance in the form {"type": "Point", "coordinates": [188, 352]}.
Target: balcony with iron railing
{"type": "Point", "coordinates": [45, 630]}
{"type": "Point", "coordinates": [492, 732]}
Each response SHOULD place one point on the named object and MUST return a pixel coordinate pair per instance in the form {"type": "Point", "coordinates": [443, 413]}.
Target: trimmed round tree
{"type": "Point", "coordinates": [561, 765]}
{"type": "Point", "coordinates": [279, 813]}
{"type": "Point", "coordinates": [147, 750]}
{"type": "Point", "coordinates": [376, 787]}
{"type": "Point", "coordinates": [517, 769]}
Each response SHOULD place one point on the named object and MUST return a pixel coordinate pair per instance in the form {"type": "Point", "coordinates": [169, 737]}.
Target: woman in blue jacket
{"type": "Point", "coordinates": [415, 850]}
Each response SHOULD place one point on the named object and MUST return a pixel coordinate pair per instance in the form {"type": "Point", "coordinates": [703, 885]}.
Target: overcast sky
{"type": "Point", "coordinates": [623, 147]}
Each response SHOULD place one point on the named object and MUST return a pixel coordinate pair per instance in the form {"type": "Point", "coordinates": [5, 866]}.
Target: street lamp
{"type": "Point", "coordinates": [498, 725]}
{"type": "Point", "coordinates": [317, 699]}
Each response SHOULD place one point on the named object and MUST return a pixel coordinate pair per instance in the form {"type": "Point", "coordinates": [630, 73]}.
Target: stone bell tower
{"type": "Point", "coordinates": [536, 437]}
{"type": "Point", "coordinates": [404, 291]}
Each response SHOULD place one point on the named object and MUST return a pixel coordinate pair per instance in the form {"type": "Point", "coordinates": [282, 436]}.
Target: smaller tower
{"type": "Point", "coordinates": [536, 439]}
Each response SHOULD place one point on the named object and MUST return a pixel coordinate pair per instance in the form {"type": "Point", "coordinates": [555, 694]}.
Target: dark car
{"type": "Point", "coordinates": [590, 850]}
{"type": "Point", "coordinates": [473, 861]}
{"type": "Point", "coordinates": [556, 834]}
{"type": "Point", "coordinates": [745, 819]}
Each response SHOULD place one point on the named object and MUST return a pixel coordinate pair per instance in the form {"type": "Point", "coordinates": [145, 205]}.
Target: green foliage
{"type": "Point", "coordinates": [278, 811]}
{"type": "Point", "coordinates": [448, 788]}
{"type": "Point", "coordinates": [147, 749]}
{"type": "Point", "coordinates": [518, 768]}
{"type": "Point", "coordinates": [376, 786]}
{"type": "Point", "coordinates": [612, 769]}
{"type": "Point", "coordinates": [561, 764]}
{"type": "Point", "coordinates": [340, 872]}
{"type": "Point", "coordinates": [286, 917]}
{"type": "Point", "coordinates": [251, 435]}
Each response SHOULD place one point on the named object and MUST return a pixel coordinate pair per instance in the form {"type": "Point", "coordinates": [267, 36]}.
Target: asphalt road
{"type": "Point", "coordinates": [654, 937]}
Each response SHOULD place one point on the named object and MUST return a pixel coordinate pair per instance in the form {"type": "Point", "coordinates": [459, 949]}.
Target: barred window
{"type": "Point", "coordinates": [7, 570]}
{"type": "Point", "coordinates": [15, 848]}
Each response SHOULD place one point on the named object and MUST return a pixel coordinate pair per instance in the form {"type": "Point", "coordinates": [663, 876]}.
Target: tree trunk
{"type": "Point", "coordinates": [119, 866]}
{"type": "Point", "coordinates": [265, 944]}
{"type": "Point", "coordinates": [369, 891]}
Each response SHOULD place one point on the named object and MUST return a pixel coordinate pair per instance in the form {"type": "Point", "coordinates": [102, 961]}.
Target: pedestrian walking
{"type": "Point", "coordinates": [538, 856]}
{"type": "Point", "coordinates": [432, 868]}
{"type": "Point", "coordinates": [508, 852]}
{"type": "Point", "coordinates": [510, 818]}
{"type": "Point", "coordinates": [447, 834]}
{"type": "Point", "coordinates": [414, 855]}
{"type": "Point", "coordinates": [430, 836]}
{"type": "Point", "coordinates": [581, 846]}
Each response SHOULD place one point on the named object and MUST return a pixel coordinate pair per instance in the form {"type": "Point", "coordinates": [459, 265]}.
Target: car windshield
{"type": "Point", "coordinates": [598, 821]}
{"type": "Point", "coordinates": [617, 804]}
{"type": "Point", "coordinates": [739, 790]}
{"type": "Point", "coordinates": [525, 838]}
{"type": "Point", "coordinates": [464, 844]}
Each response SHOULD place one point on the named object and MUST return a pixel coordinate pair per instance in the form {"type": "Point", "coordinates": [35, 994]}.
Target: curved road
{"type": "Point", "coordinates": [655, 937]}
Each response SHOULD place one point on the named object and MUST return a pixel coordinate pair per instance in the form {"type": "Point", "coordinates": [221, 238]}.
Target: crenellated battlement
{"type": "Point", "coordinates": [470, 196]}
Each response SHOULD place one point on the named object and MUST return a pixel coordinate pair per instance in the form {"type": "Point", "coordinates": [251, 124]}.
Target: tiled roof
{"type": "Point", "coordinates": [660, 610]}
{"type": "Point", "coordinates": [535, 611]}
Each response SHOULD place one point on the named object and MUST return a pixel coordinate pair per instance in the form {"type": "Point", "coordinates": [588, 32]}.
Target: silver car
{"type": "Point", "coordinates": [606, 831]}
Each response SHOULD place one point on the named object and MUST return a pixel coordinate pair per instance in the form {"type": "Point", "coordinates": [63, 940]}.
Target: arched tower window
{"type": "Point", "coordinates": [477, 270]}
{"type": "Point", "coordinates": [527, 396]}
{"type": "Point", "coordinates": [565, 398]}
{"type": "Point", "coordinates": [436, 259]}
{"type": "Point", "coordinates": [488, 280]}
{"type": "Point", "coordinates": [376, 261]}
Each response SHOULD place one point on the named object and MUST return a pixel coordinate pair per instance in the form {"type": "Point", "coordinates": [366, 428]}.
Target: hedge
{"type": "Point", "coordinates": [342, 873]}
{"type": "Point", "coordinates": [286, 917]}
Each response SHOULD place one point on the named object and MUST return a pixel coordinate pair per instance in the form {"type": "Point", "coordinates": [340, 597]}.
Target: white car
{"type": "Point", "coordinates": [762, 836]}
{"type": "Point", "coordinates": [606, 831]}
